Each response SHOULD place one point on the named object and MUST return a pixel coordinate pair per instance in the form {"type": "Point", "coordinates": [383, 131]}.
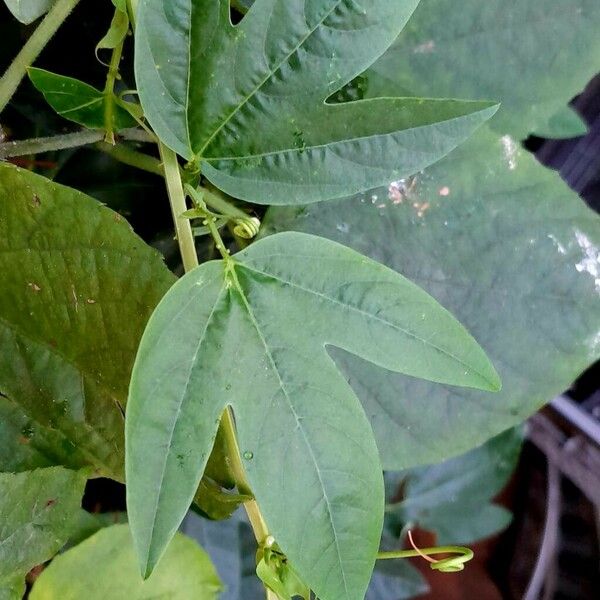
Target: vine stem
{"type": "Point", "coordinates": [131, 157]}
{"type": "Point", "coordinates": [64, 141]}
{"type": "Point", "coordinates": [109, 99]}
{"type": "Point", "coordinates": [259, 527]}
{"type": "Point", "coordinates": [34, 45]}
{"type": "Point", "coordinates": [183, 228]}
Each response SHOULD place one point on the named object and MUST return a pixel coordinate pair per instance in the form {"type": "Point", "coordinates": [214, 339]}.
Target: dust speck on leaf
{"type": "Point", "coordinates": [425, 48]}
{"type": "Point", "coordinates": [511, 150]}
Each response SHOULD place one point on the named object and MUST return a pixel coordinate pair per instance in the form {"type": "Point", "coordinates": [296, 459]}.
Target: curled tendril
{"type": "Point", "coordinates": [246, 228]}
{"type": "Point", "coordinates": [450, 564]}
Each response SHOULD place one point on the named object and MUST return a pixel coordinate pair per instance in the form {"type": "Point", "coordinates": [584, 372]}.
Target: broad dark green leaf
{"type": "Point", "coordinates": [38, 511]}
{"type": "Point", "coordinates": [78, 101]}
{"type": "Point", "coordinates": [531, 55]}
{"type": "Point", "coordinates": [27, 11]}
{"type": "Point", "coordinates": [253, 334]}
{"type": "Point", "coordinates": [104, 567]}
{"type": "Point", "coordinates": [453, 498]}
{"type": "Point", "coordinates": [512, 252]}
{"type": "Point", "coordinates": [77, 289]}
{"type": "Point", "coordinates": [248, 102]}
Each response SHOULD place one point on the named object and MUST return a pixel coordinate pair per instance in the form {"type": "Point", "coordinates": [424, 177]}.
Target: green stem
{"type": "Point", "coordinates": [132, 10]}
{"type": "Point", "coordinates": [255, 517]}
{"type": "Point", "coordinates": [109, 92]}
{"type": "Point", "coordinates": [64, 141]}
{"type": "Point", "coordinates": [34, 45]}
{"type": "Point", "coordinates": [131, 157]}
{"type": "Point", "coordinates": [215, 200]}
{"type": "Point", "coordinates": [212, 227]}
{"type": "Point", "coordinates": [48, 144]}
{"type": "Point", "coordinates": [183, 227]}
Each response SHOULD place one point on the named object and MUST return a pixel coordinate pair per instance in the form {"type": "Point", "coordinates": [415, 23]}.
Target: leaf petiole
{"type": "Point", "coordinates": [109, 92]}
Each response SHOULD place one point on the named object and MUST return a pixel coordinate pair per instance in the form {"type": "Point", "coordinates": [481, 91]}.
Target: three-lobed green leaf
{"type": "Point", "coordinates": [248, 102]}
{"type": "Point", "coordinates": [104, 567]}
{"type": "Point", "coordinates": [252, 334]}
{"type": "Point", "coordinates": [511, 251]}
{"type": "Point", "coordinates": [71, 316]}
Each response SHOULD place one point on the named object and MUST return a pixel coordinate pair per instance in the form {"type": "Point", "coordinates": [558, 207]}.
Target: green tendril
{"type": "Point", "coordinates": [450, 564]}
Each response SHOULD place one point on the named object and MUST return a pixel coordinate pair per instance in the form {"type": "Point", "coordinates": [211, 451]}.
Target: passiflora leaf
{"type": "Point", "coordinates": [453, 498]}
{"type": "Point", "coordinates": [104, 566]}
{"type": "Point", "coordinates": [27, 11]}
{"type": "Point", "coordinates": [78, 101]}
{"type": "Point", "coordinates": [38, 511]}
{"type": "Point", "coordinates": [252, 333]}
{"type": "Point", "coordinates": [248, 102]}
{"type": "Point", "coordinates": [505, 245]}
{"type": "Point", "coordinates": [71, 316]}
{"type": "Point", "coordinates": [533, 56]}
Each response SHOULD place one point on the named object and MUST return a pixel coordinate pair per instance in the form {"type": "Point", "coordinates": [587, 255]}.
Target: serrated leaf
{"type": "Point", "coordinates": [78, 101]}
{"type": "Point", "coordinates": [250, 105]}
{"type": "Point", "coordinates": [252, 334]}
{"type": "Point", "coordinates": [77, 289]}
{"type": "Point", "coordinates": [104, 566]}
{"type": "Point", "coordinates": [453, 498]}
{"type": "Point", "coordinates": [27, 11]}
{"type": "Point", "coordinates": [532, 56]}
{"type": "Point", "coordinates": [505, 245]}
{"type": "Point", "coordinates": [37, 514]}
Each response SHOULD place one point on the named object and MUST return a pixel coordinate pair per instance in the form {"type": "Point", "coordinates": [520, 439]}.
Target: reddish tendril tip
{"type": "Point", "coordinates": [416, 549]}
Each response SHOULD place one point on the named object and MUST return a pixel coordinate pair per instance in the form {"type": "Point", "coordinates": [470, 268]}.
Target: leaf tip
{"type": "Point", "coordinates": [492, 379]}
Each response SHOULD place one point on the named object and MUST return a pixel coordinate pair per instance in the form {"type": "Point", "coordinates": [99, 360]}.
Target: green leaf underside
{"type": "Point", "coordinates": [512, 252]}
{"type": "Point", "coordinates": [28, 11]}
{"type": "Point", "coordinates": [77, 101]}
{"type": "Point", "coordinates": [565, 123]}
{"type": "Point", "coordinates": [498, 49]}
{"type": "Point", "coordinates": [254, 337]}
{"type": "Point", "coordinates": [104, 566]}
{"type": "Point", "coordinates": [37, 514]}
{"type": "Point", "coordinates": [251, 104]}
{"type": "Point", "coordinates": [71, 317]}
{"type": "Point", "coordinates": [453, 498]}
